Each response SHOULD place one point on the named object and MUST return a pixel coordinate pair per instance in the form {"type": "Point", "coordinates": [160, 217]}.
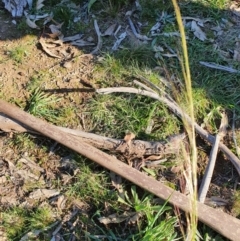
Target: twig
{"type": "Point", "coordinates": [164, 81]}
{"type": "Point", "coordinates": [220, 67]}
{"type": "Point", "coordinates": [143, 86]}
{"type": "Point", "coordinates": [212, 160]}
{"type": "Point", "coordinates": [221, 222]}
{"type": "Point", "coordinates": [119, 40]}
{"type": "Point", "coordinates": [137, 35]}
{"type": "Point", "coordinates": [179, 112]}
{"type": "Point", "coordinates": [99, 44]}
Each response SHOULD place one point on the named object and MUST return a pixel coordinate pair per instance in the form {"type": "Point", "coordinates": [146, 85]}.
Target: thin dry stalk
{"type": "Point", "coordinates": [190, 129]}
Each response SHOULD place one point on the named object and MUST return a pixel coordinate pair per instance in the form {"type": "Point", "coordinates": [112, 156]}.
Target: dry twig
{"type": "Point", "coordinates": [212, 160]}
{"type": "Point", "coordinates": [137, 148]}
{"type": "Point", "coordinates": [99, 44]}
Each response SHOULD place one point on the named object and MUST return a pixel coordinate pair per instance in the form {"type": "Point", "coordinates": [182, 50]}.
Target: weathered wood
{"type": "Point", "coordinates": [136, 148]}
{"type": "Point", "coordinates": [223, 223]}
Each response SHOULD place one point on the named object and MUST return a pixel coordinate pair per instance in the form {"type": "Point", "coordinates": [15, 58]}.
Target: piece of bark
{"type": "Point", "coordinates": [221, 222]}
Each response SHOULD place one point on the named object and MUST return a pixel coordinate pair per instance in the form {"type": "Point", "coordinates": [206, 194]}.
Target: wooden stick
{"type": "Point", "coordinates": [223, 223]}
{"type": "Point", "coordinates": [136, 148]}
{"type": "Point", "coordinates": [179, 112]}
{"type": "Point", "coordinates": [212, 160]}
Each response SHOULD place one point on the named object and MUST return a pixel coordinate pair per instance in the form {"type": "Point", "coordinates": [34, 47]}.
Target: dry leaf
{"type": "Point", "coordinates": [44, 46]}
{"type": "Point", "coordinates": [117, 183]}
{"type": "Point", "coordinates": [220, 67]}
{"type": "Point", "coordinates": [198, 20]}
{"type": "Point", "coordinates": [216, 201]}
{"type": "Point", "coordinates": [52, 35]}
{"type": "Point", "coordinates": [72, 38]}
{"type": "Point", "coordinates": [30, 164]}
{"type": "Point", "coordinates": [11, 166]}
{"type": "Point", "coordinates": [116, 218]}
{"type": "Point", "coordinates": [81, 43]}
{"type": "Point", "coordinates": [61, 202]}
{"type": "Point", "coordinates": [170, 55]}
{"type": "Point", "coordinates": [29, 3]}
{"type": "Point", "coordinates": [67, 65]}
{"type": "Point", "coordinates": [39, 4]}
{"type": "Point", "coordinates": [135, 218]}
{"type": "Point", "coordinates": [37, 17]}
{"type": "Point", "coordinates": [118, 42]}
{"type": "Point", "coordinates": [48, 18]}
{"type": "Point", "coordinates": [98, 32]}
{"type": "Point", "coordinates": [43, 193]}
{"type": "Point", "coordinates": [156, 27]}
{"type": "Point", "coordinates": [198, 31]}
{"type": "Point", "coordinates": [110, 30]}
{"type": "Point", "coordinates": [27, 175]}
{"type": "Point", "coordinates": [55, 29]}
{"type": "Point", "coordinates": [31, 235]}
{"type": "Point", "coordinates": [149, 127]}
{"type": "Point", "coordinates": [31, 24]}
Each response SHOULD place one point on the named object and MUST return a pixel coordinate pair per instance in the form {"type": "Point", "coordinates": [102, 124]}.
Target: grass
{"type": "Point", "coordinates": [42, 105]}
{"type": "Point", "coordinates": [17, 221]}
{"type": "Point", "coordinates": [91, 186]}
{"type": "Point", "coordinates": [18, 54]}
{"type": "Point", "coordinates": [116, 115]}
{"type": "Point", "coordinates": [157, 226]}
{"type": "Point", "coordinates": [113, 115]}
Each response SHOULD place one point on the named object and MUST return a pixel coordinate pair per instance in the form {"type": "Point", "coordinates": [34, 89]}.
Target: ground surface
{"type": "Point", "coordinates": [34, 171]}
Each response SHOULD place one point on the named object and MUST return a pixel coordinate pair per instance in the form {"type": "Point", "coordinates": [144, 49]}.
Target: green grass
{"type": "Point", "coordinates": [115, 115]}
{"type": "Point", "coordinates": [18, 54]}
{"type": "Point", "coordinates": [110, 7]}
{"type": "Point", "coordinates": [156, 226]}
{"type": "Point", "coordinates": [18, 221]}
{"type": "Point", "coordinates": [42, 105]}
{"type": "Point", "coordinates": [91, 186]}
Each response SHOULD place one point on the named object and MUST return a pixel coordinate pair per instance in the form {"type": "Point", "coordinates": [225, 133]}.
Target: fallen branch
{"type": "Point", "coordinates": [221, 222]}
{"type": "Point", "coordinates": [179, 112]}
{"type": "Point", "coordinates": [136, 148]}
